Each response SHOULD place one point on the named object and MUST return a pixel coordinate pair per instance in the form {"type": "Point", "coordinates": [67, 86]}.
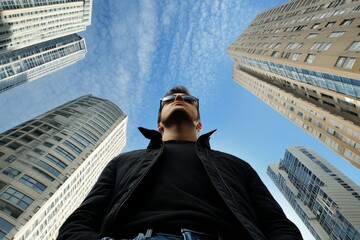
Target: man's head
{"type": "Point", "coordinates": [178, 107]}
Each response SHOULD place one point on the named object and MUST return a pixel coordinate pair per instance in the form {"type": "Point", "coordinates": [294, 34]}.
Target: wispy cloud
{"type": "Point", "coordinates": [136, 51]}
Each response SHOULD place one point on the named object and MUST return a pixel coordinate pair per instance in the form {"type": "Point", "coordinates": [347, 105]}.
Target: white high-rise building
{"type": "Point", "coordinates": [326, 200]}
{"type": "Point", "coordinates": [38, 37]}
{"type": "Point", "coordinates": [49, 164]}
{"type": "Point", "coordinates": [27, 64]}
{"type": "Point", "coordinates": [28, 22]}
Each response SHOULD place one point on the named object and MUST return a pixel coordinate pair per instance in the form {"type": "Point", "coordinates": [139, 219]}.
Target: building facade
{"type": "Point", "coordinates": [325, 199]}
{"type": "Point", "coordinates": [49, 164]}
{"type": "Point", "coordinates": [307, 51]}
{"type": "Point", "coordinates": [38, 37]}
{"type": "Point", "coordinates": [27, 22]}
{"type": "Point", "coordinates": [29, 63]}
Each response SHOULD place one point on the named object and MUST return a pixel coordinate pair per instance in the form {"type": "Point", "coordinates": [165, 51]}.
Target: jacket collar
{"type": "Point", "coordinates": [156, 138]}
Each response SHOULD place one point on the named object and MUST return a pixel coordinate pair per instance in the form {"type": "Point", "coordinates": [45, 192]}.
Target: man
{"type": "Point", "coordinates": [178, 188]}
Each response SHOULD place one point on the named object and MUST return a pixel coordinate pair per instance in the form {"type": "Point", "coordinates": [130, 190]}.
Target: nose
{"type": "Point", "coordinates": [178, 98]}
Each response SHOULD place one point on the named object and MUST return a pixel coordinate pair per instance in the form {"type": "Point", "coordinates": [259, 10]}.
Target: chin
{"type": "Point", "coordinates": [178, 116]}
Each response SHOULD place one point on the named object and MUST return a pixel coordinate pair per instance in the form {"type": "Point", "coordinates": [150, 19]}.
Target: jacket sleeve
{"type": "Point", "coordinates": [272, 219]}
{"type": "Point", "coordinates": [85, 222]}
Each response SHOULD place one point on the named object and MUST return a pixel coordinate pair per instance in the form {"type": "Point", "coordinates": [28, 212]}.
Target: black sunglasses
{"type": "Point", "coordinates": [186, 98]}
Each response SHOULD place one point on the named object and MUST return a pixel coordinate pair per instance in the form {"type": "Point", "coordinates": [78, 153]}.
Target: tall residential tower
{"type": "Point", "coordinates": [49, 164]}
{"type": "Point", "coordinates": [27, 64]}
{"type": "Point", "coordinates": [302, 58]}
{"type": "Point", "coordinates": [38, 37]}
{"type": "Point", "coordinates": [27, 22]}
{"type": "Point", "coordinates": [325, 199]}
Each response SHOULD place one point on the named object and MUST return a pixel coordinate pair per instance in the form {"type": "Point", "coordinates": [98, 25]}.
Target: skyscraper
{"type": "Point", "coordinates": [49, 164]}
{"type": "Point", "coordinates": [302, 58]}
{"type": "Point", "coordinates": [27, 64]}
{"type": "Point", "coordinates": [27, 22]}
{"type": "Point", "coordinates": [325, 199]}
{"type": "Point", "coordinates": [38, 37]}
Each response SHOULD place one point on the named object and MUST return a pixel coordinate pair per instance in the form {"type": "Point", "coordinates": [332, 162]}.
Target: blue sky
{"type": "Point", "coordinates": [137, 50]}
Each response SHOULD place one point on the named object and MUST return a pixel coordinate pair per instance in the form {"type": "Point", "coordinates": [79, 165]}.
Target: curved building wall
{"type": "Point", "coordinates": [49, 164]}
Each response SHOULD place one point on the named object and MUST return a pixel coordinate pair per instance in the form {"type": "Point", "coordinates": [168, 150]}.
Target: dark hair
{"type": "Point", "coordinates": [176, 89]}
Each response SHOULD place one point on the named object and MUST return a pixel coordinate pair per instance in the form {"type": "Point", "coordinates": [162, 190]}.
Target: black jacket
{"type": "Point", "coordinates": [234, 179]}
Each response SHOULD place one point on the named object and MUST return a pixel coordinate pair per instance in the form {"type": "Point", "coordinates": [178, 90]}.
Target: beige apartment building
{"type": "Point", "coordinates": [302, 58]}
{"type": "Point", "coordinates": [49, 164]}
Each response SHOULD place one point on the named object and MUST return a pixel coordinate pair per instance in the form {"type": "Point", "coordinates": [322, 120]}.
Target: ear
{"type": "Point", "coordinates": [160, 128]}
{"type": "Point", "coordinates": [199, 126]}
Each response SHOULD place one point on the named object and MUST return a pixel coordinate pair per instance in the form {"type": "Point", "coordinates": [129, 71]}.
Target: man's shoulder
{"type": "Point", "coordinates": [227, 156]}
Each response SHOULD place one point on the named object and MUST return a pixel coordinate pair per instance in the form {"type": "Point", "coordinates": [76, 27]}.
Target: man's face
{"type": "Point", "coordinates": [179, 109]}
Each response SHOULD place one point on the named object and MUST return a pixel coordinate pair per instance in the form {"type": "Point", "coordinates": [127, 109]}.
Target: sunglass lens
{"type": "Point", "coordinates": [168, 98]}
{"type": "Point", "coordinates": [189, 99]}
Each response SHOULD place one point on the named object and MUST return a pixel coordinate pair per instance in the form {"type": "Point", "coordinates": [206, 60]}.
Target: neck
{"type": "Point", "coordinates": [182, 132]}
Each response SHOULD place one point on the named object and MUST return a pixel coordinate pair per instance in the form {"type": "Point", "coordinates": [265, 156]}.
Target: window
{"type": "Point", "coordinates": [333, 4]}
{"type": "Point", "coordinates": [42, 173]}
{"type": "Point", "coordinates": [16, 134]}
{"type": "Point", "coordinates": [39, 151]}
{"type": "Point", "coordinates": [4, 141]}
{"type": "Point", "coordinates": [56, 161]}
{"type": "Point", "coordinates": [285, 55]}
{"type": "Point", "coordinates": [330, 24]}
{"type": "Point", "coordinates": [36, 123]}
{"type": "Point", "coordinates": [14, 146]}
{"type": "Point", "coordinates": [72, 147]}
{"type": "Point", "coordinates": [346, 22]}
{"type": "Point", "coordinates": [315, 26]}
{"type": "Point", "coordinates": [5, 227]}
{"type": "Point", "coordinates": [43, 165]}
{"type": "Point", "coordinates": [349, 112]}
{"type": "Point", "coordinates": [336, 34]}
{"type": "Point", "coordinates": [355, 46]}
{"type": "Point", "coordinates": [275, 54]}
{"type": "Point", "coordinates": [45, 127]}
{"type": "Point", "coordinates": [57, 138]}
{"type": "Point", "coordinates": [294, 45]}
{"type": "Point", "coordinates": [26, 139]}
{"type": "Point", "coordinates": [47, 144]}
{"type": "Point", "coordinates": [321, 46]}
{"type": "Point", "coordinates": [345, 62]}
{"type": "Point", "coordinates": [10, 210]}
{"type": "Point", "coordinates": [11, 172]}
{"type": "Point", "coordinates": [80, 140]}
{"type": "Point", "coordinates": [33, 183]}
{"type": "Point", "coordinates": [346, 103]}
{"type": "Point", "coordinates": [296, 56]}
{"type": "Point", "coordinates": [10, 158]}
{"type": "Point", "coordinates": [329, 104]}
{"type": "Point", "coordinates": [310, 58]}
{"type": "Point", "coordinates": [64, 153]}
{"type": "Point", "coordinates": [326, 96]}
{"type": "Point", "coordinates": [27, 129]}
{"type": "Point", "coordinates": [37, 133]}
{"type": "Point", "coordinates": [312, 35]}
{"type": "Point", "coordinates": [17, 198]}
